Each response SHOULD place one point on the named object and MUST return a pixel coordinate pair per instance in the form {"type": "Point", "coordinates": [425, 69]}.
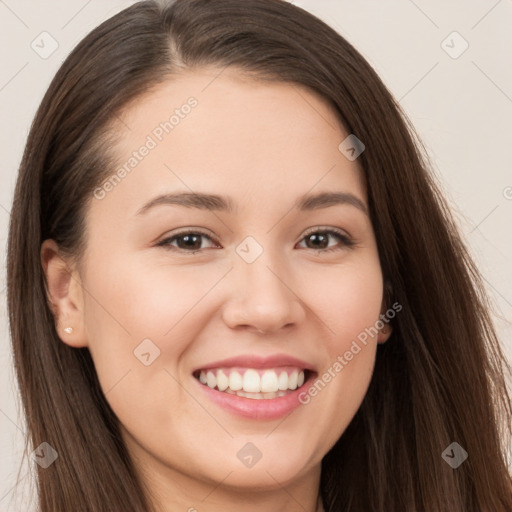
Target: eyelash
{"type": "Point", "coordinates": [346, 241]}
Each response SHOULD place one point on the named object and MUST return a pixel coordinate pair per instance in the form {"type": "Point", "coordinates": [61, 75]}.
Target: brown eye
{"type": "Point", "coordinates": [320, 239]}
{"type": "Point", "coordinates": [187, 241]}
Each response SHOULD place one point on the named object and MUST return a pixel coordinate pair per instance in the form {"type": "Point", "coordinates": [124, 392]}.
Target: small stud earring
{"type": "Point", "coordinates": [68, 330]}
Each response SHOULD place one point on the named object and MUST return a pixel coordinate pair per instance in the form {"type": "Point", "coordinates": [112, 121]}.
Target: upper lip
{"type": "Point", "coordinates": [253, 361]}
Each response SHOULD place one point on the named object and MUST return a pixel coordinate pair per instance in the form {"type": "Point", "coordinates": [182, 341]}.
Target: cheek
{"type": "Point", "coordinates": [355, 342]}
{"type": "Point", "coordinates": [130, 302]}
{"type": "Point", "coordinates": [139, 323]}
{"type": "Point", "coordinates": [346, 300]}
{"type": "Point", "coordinates": [349, 304]}
{"type": "Point", "coordinates": [142, 301]}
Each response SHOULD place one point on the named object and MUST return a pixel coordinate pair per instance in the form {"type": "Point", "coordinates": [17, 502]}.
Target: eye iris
{"type": "Point", "coordinates": [322, 238]}
{"type": "Point", "coordinates": [191, 241]}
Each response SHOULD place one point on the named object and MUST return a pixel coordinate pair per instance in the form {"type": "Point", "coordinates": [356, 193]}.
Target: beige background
{"type": "Point", "coordinates": [462, 107]}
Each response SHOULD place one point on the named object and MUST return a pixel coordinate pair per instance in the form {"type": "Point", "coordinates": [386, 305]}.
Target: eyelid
{"type": "Point", "coordinates": [348, 241]}
{"type": "Point", "coordinates": [186, 231]}
{"type": "Point", "coordinates": [326, 229]}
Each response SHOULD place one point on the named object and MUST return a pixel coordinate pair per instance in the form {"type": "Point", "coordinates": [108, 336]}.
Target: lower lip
{"type": "Point", "coordinates": [257, 409]}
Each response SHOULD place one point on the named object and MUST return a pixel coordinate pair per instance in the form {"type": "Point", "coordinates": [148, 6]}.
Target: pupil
{"type": "Point", "coordinates": [190, 238]}
{"type": "Point", "coordinates": [318, 237]}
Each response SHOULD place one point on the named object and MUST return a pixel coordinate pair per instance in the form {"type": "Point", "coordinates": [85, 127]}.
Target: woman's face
{"type": "Point", "coordinates": [262, 286]}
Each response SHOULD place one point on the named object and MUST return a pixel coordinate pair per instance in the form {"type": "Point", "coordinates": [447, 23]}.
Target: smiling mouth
{"type": "Point", "coordinates": [259, 384]}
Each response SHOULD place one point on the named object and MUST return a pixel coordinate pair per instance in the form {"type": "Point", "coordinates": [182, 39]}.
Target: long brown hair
{"type": "Point", "coordinates": [439, 379]}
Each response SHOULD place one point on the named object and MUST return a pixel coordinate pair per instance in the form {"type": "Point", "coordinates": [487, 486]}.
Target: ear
{"type": "Point", "coordinates": [65, 295]}
{"type": "Point", "coordinates": [384, 333]}
{"type": "Point", "coordinates": [387, 329]}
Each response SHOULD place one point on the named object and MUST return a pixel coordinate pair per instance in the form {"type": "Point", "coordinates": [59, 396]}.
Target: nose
{"type": "Point", "coordinates": [263, 298]}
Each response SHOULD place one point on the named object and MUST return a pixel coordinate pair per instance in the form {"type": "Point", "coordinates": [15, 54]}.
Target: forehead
{"type": "Point", "coordinates": [219, 131]}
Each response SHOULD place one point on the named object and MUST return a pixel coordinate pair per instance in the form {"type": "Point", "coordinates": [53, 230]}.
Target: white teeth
{"type": "Point", "coordinates": [251, 381]}
{"type": "Point", "coordinates": [292, 379]}
{"type": "Point", "coordinates": [260, 396]}
{"type": "Point", "coordinates": [222, 381]}
{"type": "Point", "coordinates": [250, 384]}
{"type": "Point", "coordinates": [249, 395]}
{"type": "Point", "coordinates": [211, 380]}
{"type": "Point", "coordinates": [283, 381]}
{"type": "Point", "coordinates": [235, 381]}
{"type": "Point", "coordinates": [269, 382]}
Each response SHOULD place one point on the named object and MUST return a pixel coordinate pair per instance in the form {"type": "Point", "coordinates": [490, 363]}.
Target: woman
{"type": "Point", "coordinates": [234, 283]}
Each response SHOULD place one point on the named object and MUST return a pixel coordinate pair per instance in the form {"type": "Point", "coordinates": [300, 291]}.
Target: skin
{"type": "Point", "coordinates": [263, 145]}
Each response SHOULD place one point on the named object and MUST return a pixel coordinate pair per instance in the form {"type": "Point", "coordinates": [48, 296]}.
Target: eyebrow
{"type": "Point", "coordinates": [202, 201]}
{"type": "Point", "coordinates": [326, 199]}
{"type": "Point", "coordinates": [190, 200]}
